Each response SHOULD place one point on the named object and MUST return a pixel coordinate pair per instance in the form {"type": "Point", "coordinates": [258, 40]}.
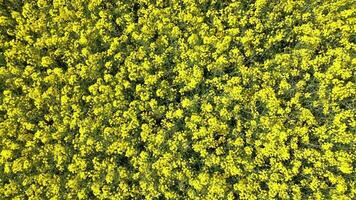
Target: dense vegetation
{"type": "Point", "coordinates": [178, 99]}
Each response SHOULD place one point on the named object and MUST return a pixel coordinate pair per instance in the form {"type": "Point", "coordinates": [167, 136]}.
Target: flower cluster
{"type": "Point", "coordinates": [177, 99]}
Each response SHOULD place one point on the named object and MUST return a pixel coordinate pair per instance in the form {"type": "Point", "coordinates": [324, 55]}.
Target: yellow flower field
{"type": "Point", "coordinates": [177, 99]}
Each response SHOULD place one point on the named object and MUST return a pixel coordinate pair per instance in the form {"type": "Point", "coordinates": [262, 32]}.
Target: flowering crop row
{"type": "Point", "coordinates": [177, 99]}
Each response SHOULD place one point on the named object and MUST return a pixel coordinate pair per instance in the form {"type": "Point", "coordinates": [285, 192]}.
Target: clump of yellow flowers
{"type": "Point", "coordinates": [177, 99]}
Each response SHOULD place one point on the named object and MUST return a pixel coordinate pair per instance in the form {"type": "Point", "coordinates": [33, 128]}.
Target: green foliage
{"type": "Point", "coordinates": [104, 99]}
